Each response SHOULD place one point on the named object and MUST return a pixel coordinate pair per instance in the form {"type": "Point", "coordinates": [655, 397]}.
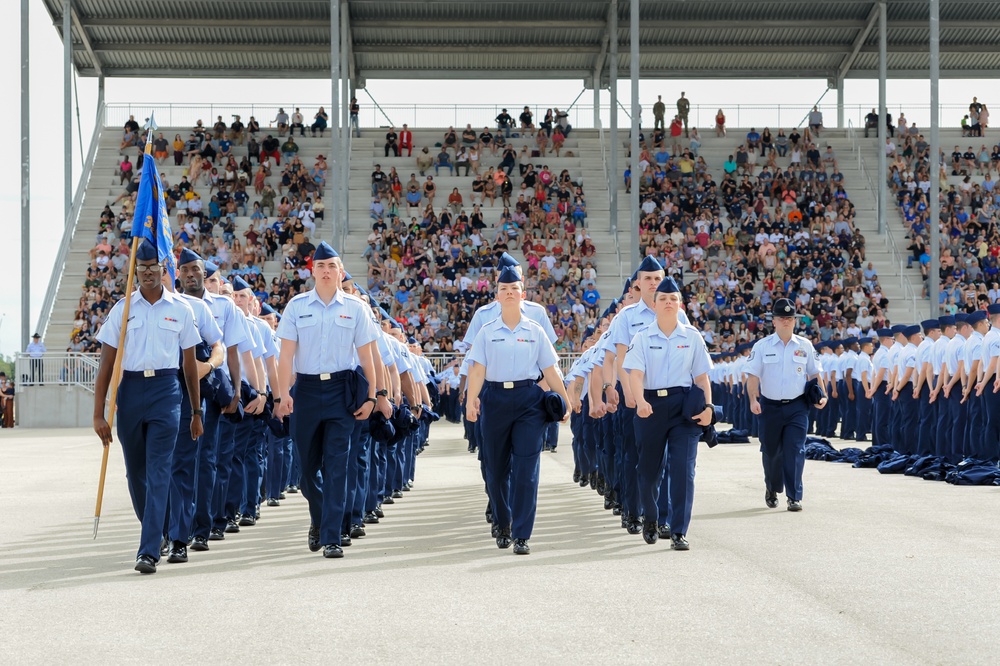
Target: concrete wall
{"type": "Point", "coordinates": [54, 406]}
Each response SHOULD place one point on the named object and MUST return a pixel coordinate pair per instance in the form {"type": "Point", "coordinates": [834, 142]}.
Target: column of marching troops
{"type": "Point", "coordinates": [924, 390]}
{"type": "Point", "coordinates": [364, 395]}
{"type": "Point", "coordinates": [331, 399]}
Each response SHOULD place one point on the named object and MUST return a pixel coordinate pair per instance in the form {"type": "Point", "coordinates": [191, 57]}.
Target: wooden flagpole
{"type": "Point", "coordinates": [116, 374]}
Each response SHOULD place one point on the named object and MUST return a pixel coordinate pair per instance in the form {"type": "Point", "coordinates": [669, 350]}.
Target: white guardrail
{"type": "Point", "coordinates": [56, 369]}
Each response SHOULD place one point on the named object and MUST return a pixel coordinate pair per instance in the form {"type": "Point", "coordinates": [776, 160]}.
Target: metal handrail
{"type": "Point", "coordinates": [56, 369]}
{"type": "Point", "coordinates": [69, 230]}
{"type": "Point", "coordinates": [440, 360]}
{"type": "Point", "coordinates": [479, 115]}
{"type": "Point", "coordinates": [888, 239]}
{"type": "Point", "coordinates": [610, 184]}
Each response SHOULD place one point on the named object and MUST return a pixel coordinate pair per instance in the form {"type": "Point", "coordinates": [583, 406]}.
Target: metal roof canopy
{"type": "Point", "coordinates": [517, 39]}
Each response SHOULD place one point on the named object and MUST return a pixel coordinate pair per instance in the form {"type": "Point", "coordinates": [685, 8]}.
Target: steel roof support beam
{"type": "Point", "coordinates": [633, 34]}
{"type": "Point", "coordinates": [934, 205]}
{"type": "Point", "coordinates": [336, 168]}
{"type": "Point", "coordinates": [859, 41]}
{"type": "Point", "coordinates": [613, 137]}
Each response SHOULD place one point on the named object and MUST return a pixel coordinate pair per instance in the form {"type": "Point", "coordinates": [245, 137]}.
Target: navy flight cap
{"type": "Point", "coordinates": [649, 265]}
{"type": "Point", "coordinates": [187, 256]}
{"type": "Point", "coordinates": [507, 260]}
{"type": "Point", "coordinates": [211, 269]}
{"type": "Point", "coordinates": [146, 251]}
{"type": "Point", "coordinates": [239, 284]}
{"type": "Point", "coordinates": [929, 325]}
{"type": "Point", "coordinates": [508, 275]}
{"type": "Point", "coordinates": [910, 331]}
{"type": "Point", "coordinates": [324, 251]}
{"type": "Point", "coordinates": [668, 286]}
{"type": "Point", "coordinates": [976, 317]}
{"type": "Point", "coordinates": [993, 308]}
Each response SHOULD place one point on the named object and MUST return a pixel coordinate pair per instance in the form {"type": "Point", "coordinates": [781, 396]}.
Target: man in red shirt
{"type": "Point", "coordinates": [406, 141]}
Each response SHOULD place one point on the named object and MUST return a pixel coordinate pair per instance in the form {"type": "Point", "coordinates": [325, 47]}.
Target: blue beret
{"type": "Point", "coordinates": [961, 318]}
{"type": "Point", "coordinates": [649, 265]}
{"type": "Point", "coordinates": [411, 340]}
{"type": "Point", "coordinates": [866, 340]}
{"type": "Point", "coordinates": [508, 275]}
{"type": "Point", "coordinates": [946, 320]}
{"type": "Point", "coordinates": [239, 284]}
{"type": "Point", "coordinates": [667, 286]}
{"type": "Point", "coordinates": [507, 260]}
{"type": "Point", "coordinates": [324, 251]}
{"type": "Point", "coordinates": [884, 332]}
{"type": "Point", "coordinates": [993, 308]}
{"type": "Point", "coordinates": [977, 316]}
{"type": "Point", "coordinates": [187, 256]}
{"type": "Point", "coordinates": [910, 331]}
{"type": "Point", "coordinates": [146, 251]}
{"type": "Point", "coordinates": [929, 325]}
{"type": "Point", "coordinates": [347, 276]}
{"type": "Point", "coordinates": [211, 268]}
{"type": "Point", "coordinates": [266, 309]}
{"type": "Point", "coordinates": [897, 329]}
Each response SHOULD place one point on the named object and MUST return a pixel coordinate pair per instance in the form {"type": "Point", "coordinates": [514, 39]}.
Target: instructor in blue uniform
{"type": "Point", "coordinates": [665, 362]}
{"type": "Point", "coordinates": [149, 395]}
{"type": "Point", "coordinates": [778, 369]}
{"type": "Point", "coordinates": [508, 355]}
{"type": "Point", "coordinates": [324, 335]}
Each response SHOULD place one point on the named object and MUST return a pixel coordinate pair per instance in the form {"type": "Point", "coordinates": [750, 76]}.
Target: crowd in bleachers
{"type": "Point", "coordinates": [970, 241]}
{"type": "Point", "coordinates": [773, 220]}
{"type": "Point", "coordinates": [430, 272]}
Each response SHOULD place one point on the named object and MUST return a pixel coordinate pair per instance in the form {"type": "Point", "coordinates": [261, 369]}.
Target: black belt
{"type": "Point", "coordinates": [768, 401]}
{"type": "Point", "coordinates": [325, 376]}
{"type": "Point", "coordinates": [511, 385]}
{"type": "Point", "coordinates": [664, 392]}
{"type": "Point", "coordinates": [146, 374]}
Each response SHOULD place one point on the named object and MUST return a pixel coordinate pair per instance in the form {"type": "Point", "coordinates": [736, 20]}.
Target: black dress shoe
{"type": "Point", "coordinates": [771, 499]}
{"type": "Point", "coordinates": [504, 540]}
{"type": "Point", "coordinates": [521, 547]}
{"type": "Point", "coordinates": [248, 521]}
{"type": "Point", "coordinates": [332, 551]}
{"type": "Point", "coordinates": [281, 496]}
{"type": "Point", "coordinates": [663, 530]}
{"type": "Point", "coordinates": [388, 500]}
{"type": "Point", "coordinates": [145, 564]}
{"type": "Point", "coordinates": [397, 494]}
{"type": "Point", "coordinates": [273, 501]}
{"type": "Point", "coordinates": [576, 476]}
{"type": "Point", "coordinates": [584, 481]}
{"type": "Point", "coordinates": [678, 542]}
{"type": "Point", "coordinates": [178, 553]}
{"type": "Point", "coordinates": [345, 540]}
{"type": "Point", "coordinates": [616, 509]}
{"type": "Point", "coordinates": [649, 533]}
{"type": "Point", "coordinates": [370, 518]}
{"type": "Point", "coordinates": [494, 530]}
{"type": "Point", "coordinates": [607, 503]}
{"type": "Point", "coordinates": [292, 489]}
{"type": "Point", "coordinates": [794, 505]}
{"type": "Point", "coordinates": [357, 531]}
{"type": "Point", "coordinates": [199, 544]}
{"type": "Point", "coordinates": [314, 544]}
{"type": "Point", "coordinates": [379, 512]}
{"type": "Point", "coordinates": [164, 547]}
{"type": "Point", "coordinates": [232, 527]}
{"type": "Point", "coordinates": [633, 526]}
{"type": "Point", "coordinates": [217, 534]}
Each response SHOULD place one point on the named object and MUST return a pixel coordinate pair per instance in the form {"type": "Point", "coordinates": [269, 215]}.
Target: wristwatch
{"type": "Point", "coordinates": [196, 412]}
{"type": "Point", "coordinates": [372, 400]}
{"type": "Point", "coordinates": [277, 401]}
{"type": "Point", "coordinates": [605, 386]}
{"type": "Point", "coordinates": [381, 393]}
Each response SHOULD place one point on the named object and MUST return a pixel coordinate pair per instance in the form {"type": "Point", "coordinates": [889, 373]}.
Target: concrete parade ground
{"type": "Point", "coordinates": [875, 570]}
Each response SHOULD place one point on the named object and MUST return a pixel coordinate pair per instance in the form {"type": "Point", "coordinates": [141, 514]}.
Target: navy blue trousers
{"type": "Point", "coordinates": [323, 429]}
{"type": "Point", "coordinates": [277, 470]}
{"type": "Point", "coordinates": [242, 447]}
{"type": "Point", "coordinates": [357, 475]}
{"type": "Point", "coordinates": [184, 473]}
{"type": "Point", "coordinates": [223, 471]}
{"type": "Point", "coordinates": [882, 404]}
{"type": "Point", "coordinates": [631, 504]}
{"type": "Point", "coordinates": [849, 410]}
{"type": "Point", "coordinates": [951, 428]}
{"type": "Point", "coordinates": [991, 420]}
{"type": "Point", "coordinates": [928, 422]}
{"type": "Point", "coordinates": [208, 455]}
{"type": "Point", "coordinates": [863, 415]}
{"type": "Point", "coordinates": [783, 446]}
{"type": "Point", "coordinates": [513, 420]}
{"type": "Point", "coordinates": [909, 421]}
{"type": "Point", "coordinates": [149, 417]}
{"type": "Point", "coordinates": [668, 446]}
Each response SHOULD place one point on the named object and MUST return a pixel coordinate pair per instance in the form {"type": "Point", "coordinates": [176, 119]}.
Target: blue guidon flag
{"type": "Point", "coordinates": [151, 217]}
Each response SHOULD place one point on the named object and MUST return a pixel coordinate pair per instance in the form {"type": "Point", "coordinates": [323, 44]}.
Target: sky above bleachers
{"type": "Point", "coordinates": [47, 136]}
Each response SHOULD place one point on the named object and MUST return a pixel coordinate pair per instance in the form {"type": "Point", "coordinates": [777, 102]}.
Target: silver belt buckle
{"type": "Point", "coordinates": [324, 376]}
{"type": "Point", "coordinates": [508, 385]}
{"type": "Point", "coordinates": [149, 373]}
{"type": "Point", "coordinates": [662, 393]}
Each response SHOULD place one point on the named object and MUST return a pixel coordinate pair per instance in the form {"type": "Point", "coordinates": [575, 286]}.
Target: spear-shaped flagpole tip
{"type": "Point", "coordinates": [97, 523]}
